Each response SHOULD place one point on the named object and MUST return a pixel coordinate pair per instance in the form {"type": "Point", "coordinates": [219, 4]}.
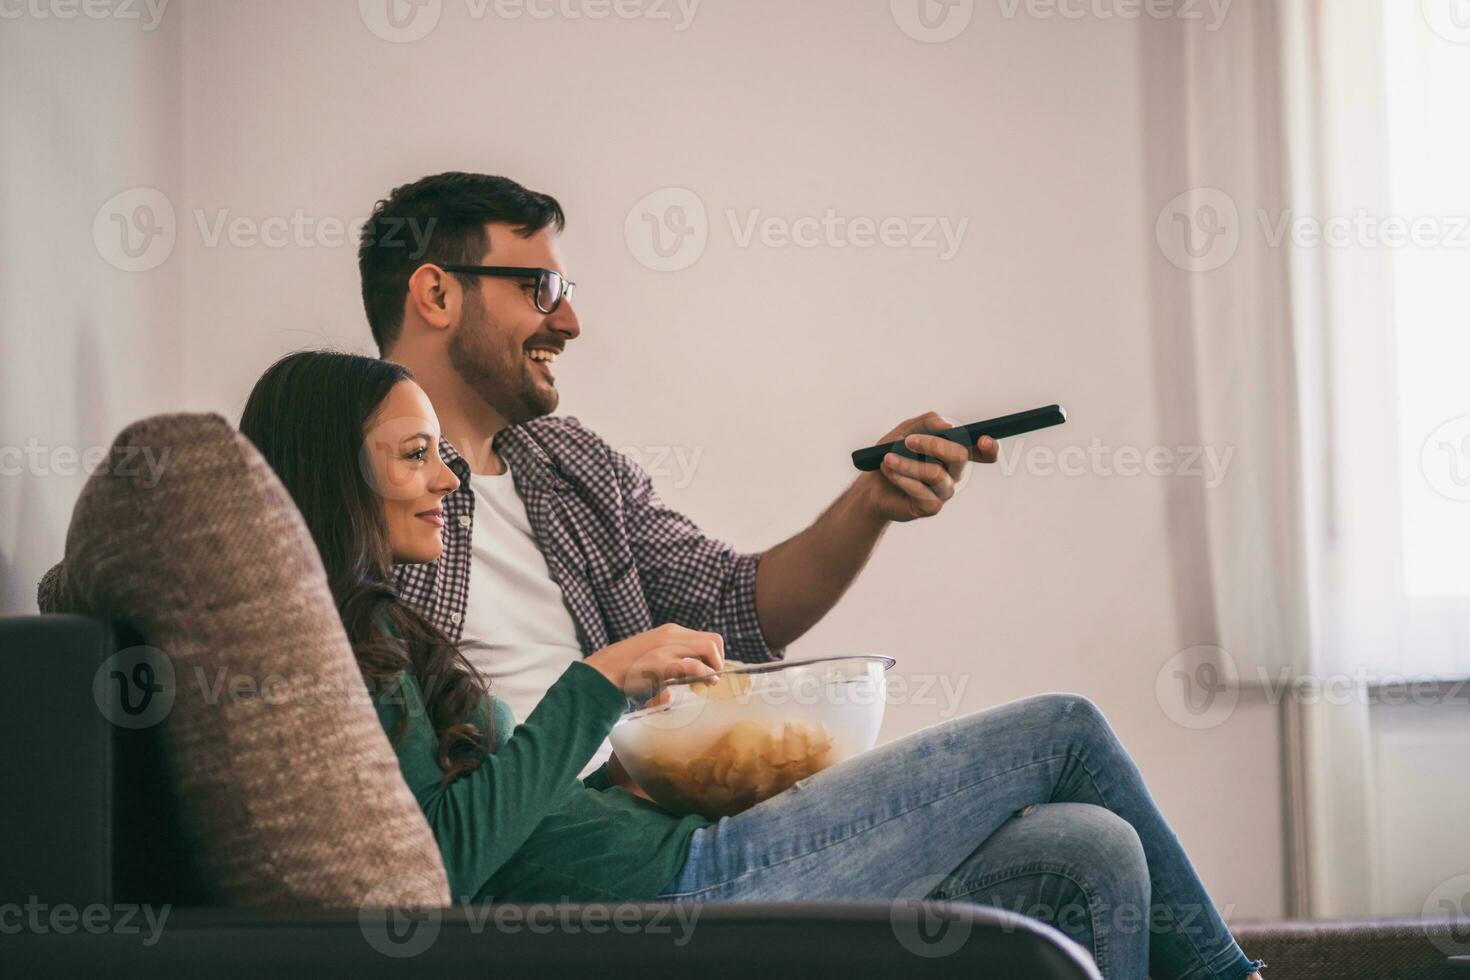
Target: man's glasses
{"type": "Point", "coordinates": [551, 287]}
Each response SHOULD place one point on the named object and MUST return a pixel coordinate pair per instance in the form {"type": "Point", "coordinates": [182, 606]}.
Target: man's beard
{"type": "Point", "coordinates": [509, 388]}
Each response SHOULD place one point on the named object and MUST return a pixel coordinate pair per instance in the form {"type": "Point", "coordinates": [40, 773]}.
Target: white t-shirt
{"type": "Point", "coordinates": [518, 631]}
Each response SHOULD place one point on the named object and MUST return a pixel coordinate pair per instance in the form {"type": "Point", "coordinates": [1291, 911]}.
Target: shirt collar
{"type": "Point", "coordinates": [521, 452]}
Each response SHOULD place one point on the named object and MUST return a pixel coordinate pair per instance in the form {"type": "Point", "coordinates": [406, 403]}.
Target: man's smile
{"type": "Point", "coordinates": [542, 357]}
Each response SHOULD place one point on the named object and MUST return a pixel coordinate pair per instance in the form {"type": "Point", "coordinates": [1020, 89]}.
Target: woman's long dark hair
{"type": "Point", "coordinates": [308, 415]}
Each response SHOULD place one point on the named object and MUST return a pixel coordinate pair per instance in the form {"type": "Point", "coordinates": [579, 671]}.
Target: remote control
{"type": "Point", "coordinates": [967, 435]}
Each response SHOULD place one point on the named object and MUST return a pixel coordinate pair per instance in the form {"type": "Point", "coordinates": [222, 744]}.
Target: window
{"type": "Point", "coordinates": [1427, 109]}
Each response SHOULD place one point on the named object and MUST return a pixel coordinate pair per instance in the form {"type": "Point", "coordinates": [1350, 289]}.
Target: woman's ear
{"type": "Point", "coordinates": [434, 296]}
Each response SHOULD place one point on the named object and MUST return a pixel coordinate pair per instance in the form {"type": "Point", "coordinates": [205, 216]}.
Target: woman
{"type": "Point", "coordinates": [1032, 806]}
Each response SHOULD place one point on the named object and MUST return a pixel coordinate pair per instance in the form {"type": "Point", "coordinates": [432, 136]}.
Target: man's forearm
{"type": "Point", "coordinates": [799, 580]}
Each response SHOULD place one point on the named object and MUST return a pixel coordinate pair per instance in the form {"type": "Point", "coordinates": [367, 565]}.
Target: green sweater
{"type": "Point", "coordinates": [522, 828]}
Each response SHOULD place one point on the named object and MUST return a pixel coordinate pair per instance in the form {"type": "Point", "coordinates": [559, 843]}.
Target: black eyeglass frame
{"type": "Point", "coordinates": [520, 272]}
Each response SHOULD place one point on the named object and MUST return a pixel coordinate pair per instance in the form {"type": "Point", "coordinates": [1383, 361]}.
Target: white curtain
{"type": "Point", "coordinates": [1334, 360]}
{"type": "Point", "coordinates": [1377, 149]}
{"type": "Point", "coordinates": [1384, 141]}
{"type": "Point", "coordinates": [1333, 93]}
{"type": "Point", "coordinates": [1247, 385]}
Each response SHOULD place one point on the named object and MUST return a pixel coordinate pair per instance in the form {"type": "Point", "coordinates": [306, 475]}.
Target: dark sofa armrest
{"type": "Point", "coordinates": [736, 940]}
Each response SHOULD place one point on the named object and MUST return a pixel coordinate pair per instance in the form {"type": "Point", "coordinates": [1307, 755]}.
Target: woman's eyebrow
{"type": "Point", "coordinates": [418, 435]}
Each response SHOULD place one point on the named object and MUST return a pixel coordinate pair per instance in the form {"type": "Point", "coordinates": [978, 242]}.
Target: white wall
{"type": "Point", "coordinates": [771, 363]}
{"type": "Point", "coordinates": [1419, 816]}
{"type": "Point", "coordinates": [89, 109]}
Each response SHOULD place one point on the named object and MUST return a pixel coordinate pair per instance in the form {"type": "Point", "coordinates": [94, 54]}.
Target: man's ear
{"type": "Point", "coordinates": [435, 296]}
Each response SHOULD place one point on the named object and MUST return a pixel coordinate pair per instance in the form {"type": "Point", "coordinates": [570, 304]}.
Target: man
{"type": "Point", "coordinates": [556, 545]}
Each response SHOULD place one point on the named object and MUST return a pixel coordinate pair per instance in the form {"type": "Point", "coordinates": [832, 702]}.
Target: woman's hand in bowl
{"type": "Point", "coordinates": [639, 664]}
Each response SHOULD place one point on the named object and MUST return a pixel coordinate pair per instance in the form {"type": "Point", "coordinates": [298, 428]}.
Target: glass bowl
{"type": "Point", "coordinates": [719, 744]}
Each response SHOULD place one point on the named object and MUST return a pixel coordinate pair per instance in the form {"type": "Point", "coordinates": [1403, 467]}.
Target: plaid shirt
{"type": "Point", "coordinates": [624, 561]}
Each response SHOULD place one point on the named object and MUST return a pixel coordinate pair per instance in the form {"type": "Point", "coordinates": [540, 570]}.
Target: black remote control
{"type": "Point", "coordinates": [967, 435]}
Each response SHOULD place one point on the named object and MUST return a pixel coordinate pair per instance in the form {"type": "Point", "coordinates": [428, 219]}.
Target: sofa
{"type": "Point", "coordinates": [244, 828]}
{"type": "Point", "coordinates": [91, 821]}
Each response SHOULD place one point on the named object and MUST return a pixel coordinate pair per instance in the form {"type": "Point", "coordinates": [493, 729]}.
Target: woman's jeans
{"type": "Point", "coordinates": [1032, 806]}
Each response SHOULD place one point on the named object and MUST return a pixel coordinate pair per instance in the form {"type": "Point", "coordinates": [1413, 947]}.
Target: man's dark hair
{"type": "Point", "coordinates": [439, 219]}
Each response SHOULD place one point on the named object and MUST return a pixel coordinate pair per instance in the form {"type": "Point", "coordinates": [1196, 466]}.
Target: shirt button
{"type": "Point", "coordinates": [455, 618]}
{"type": "Point", "coordinates": [464, 520]}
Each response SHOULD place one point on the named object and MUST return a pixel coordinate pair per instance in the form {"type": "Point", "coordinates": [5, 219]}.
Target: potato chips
{"type": "Point", "coordinates": [749, 763]}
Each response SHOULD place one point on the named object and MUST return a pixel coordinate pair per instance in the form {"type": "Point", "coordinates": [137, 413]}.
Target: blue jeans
{"type": "Point", "coordinates": [1032, 806]}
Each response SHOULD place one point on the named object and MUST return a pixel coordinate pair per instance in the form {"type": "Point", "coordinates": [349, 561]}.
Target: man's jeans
{"type": "Point", "coordinates": [1032, 806]}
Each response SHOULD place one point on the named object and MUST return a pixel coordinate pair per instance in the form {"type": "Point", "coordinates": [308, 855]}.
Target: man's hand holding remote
{"type": "Point", "coordinates": [904, 489]}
